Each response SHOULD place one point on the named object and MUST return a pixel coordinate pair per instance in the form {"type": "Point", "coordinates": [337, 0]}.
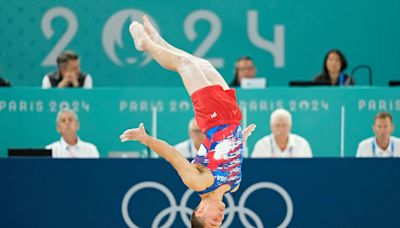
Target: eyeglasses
{"type": "Point", "coordinates": [197, 131]}
{"type": "Point", "coordinates": [245, 68]}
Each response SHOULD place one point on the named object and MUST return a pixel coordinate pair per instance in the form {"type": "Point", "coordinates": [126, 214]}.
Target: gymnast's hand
{"type": "Point", "coordinates": [247, 131]}
{"type": "Point", "coordinates": [135, 134]}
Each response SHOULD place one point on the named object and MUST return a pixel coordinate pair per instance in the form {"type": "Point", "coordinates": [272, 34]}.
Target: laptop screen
{"type": "Point", "coordinates": [29, 152]}
{"type": "Point", "coordinates": [308, 83]}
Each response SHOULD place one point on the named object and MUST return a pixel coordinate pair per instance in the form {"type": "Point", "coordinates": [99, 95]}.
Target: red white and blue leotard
{"type": "Point", "coordinates": [218, 116]}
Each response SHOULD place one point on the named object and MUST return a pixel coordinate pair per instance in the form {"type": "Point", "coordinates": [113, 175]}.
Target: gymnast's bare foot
{"type": "Point", "coordinates": [153, 33]}
{"type": "Point", "coordinates": [140, 38]}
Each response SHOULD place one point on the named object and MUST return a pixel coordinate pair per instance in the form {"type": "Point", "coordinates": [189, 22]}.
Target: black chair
{"type": "Point", "coordinates": [394, 83]}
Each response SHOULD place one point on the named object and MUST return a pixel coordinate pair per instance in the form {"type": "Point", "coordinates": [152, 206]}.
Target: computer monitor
{"type": "Point", "coordinates": [308, 83]}
{"type": "Point", "coordinates": [253, 83]}
{"type": "Point", "coordinates": [29, 152]}
{"type": "Point", "coordinates": [125, 154]}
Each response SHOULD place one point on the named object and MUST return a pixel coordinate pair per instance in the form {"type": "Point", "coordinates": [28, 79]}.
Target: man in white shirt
{"type": "Point", "coordinates": [383, 144]}
{"type": "Point", "coordinates": [68, 73]}
{"type": "Point", "coordinates": [70, 145]}
{"type": "Point", "coordinates": [189, 147]}
{"type": "Point", "coordinates": [281, 143]}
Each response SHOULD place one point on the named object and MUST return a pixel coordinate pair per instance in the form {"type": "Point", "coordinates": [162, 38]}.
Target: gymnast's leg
{"type": "Point", "coordinates": [196, 73]}
{"type": "Point", "coordinates": [208, 69]}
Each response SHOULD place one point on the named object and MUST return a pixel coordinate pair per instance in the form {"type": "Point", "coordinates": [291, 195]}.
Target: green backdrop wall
{"type": "Point", "coordinates": [27, 116]}
{"type": "Point", "coordinates": [287, 39]}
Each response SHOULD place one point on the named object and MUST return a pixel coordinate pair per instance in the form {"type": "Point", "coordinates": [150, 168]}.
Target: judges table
{"type": "Point", "coordinates": [320, 192]}
{"type": "Point", "coordinates": [333, 120]}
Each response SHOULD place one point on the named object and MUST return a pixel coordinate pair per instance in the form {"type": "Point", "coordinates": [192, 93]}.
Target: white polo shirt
{"type": "Point", "coordinates": [186, 148]}
{"type": "Point", "coordinates": [267, 147]}
{"type": "Point", "coordinates": [81, 149]}
{"type": "Point", "coordinates": [369, 148]}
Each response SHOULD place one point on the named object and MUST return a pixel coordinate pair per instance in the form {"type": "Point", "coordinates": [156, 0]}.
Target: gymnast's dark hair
{"type": "Point", "coordinates": [195, 221]}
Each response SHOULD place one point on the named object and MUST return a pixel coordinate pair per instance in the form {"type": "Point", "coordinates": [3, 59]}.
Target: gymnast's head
{"type": "Point", "coordinates": [209, 213]}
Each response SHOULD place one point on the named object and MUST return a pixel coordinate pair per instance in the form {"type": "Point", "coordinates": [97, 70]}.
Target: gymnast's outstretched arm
{"type": "Point", "coordinates": [191, 176]}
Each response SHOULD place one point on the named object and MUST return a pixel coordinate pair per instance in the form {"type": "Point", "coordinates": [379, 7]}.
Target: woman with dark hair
{"type": "Point", "coordinates": [244, 68]}
{"type": "Point", "coordinates": [4, 82]}
{"type": "Point", "coordinates": [333, 70]}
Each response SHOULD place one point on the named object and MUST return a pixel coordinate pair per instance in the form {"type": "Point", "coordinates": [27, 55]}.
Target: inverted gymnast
{"type": "Point", "coordinates": [216, 169]}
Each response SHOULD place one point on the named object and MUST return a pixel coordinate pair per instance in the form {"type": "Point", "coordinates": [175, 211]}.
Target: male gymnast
{"type": "Point", "coordinates": [216, 169]}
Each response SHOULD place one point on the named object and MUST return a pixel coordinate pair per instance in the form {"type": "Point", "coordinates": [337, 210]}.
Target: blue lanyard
{"type": "Point", "coordinates": [374, 149]}
{"type": "Point", "coordinates": [341, 79]}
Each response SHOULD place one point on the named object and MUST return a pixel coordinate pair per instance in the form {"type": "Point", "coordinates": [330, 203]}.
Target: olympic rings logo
{"type": "Point", "coordinates": [185, 212]}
